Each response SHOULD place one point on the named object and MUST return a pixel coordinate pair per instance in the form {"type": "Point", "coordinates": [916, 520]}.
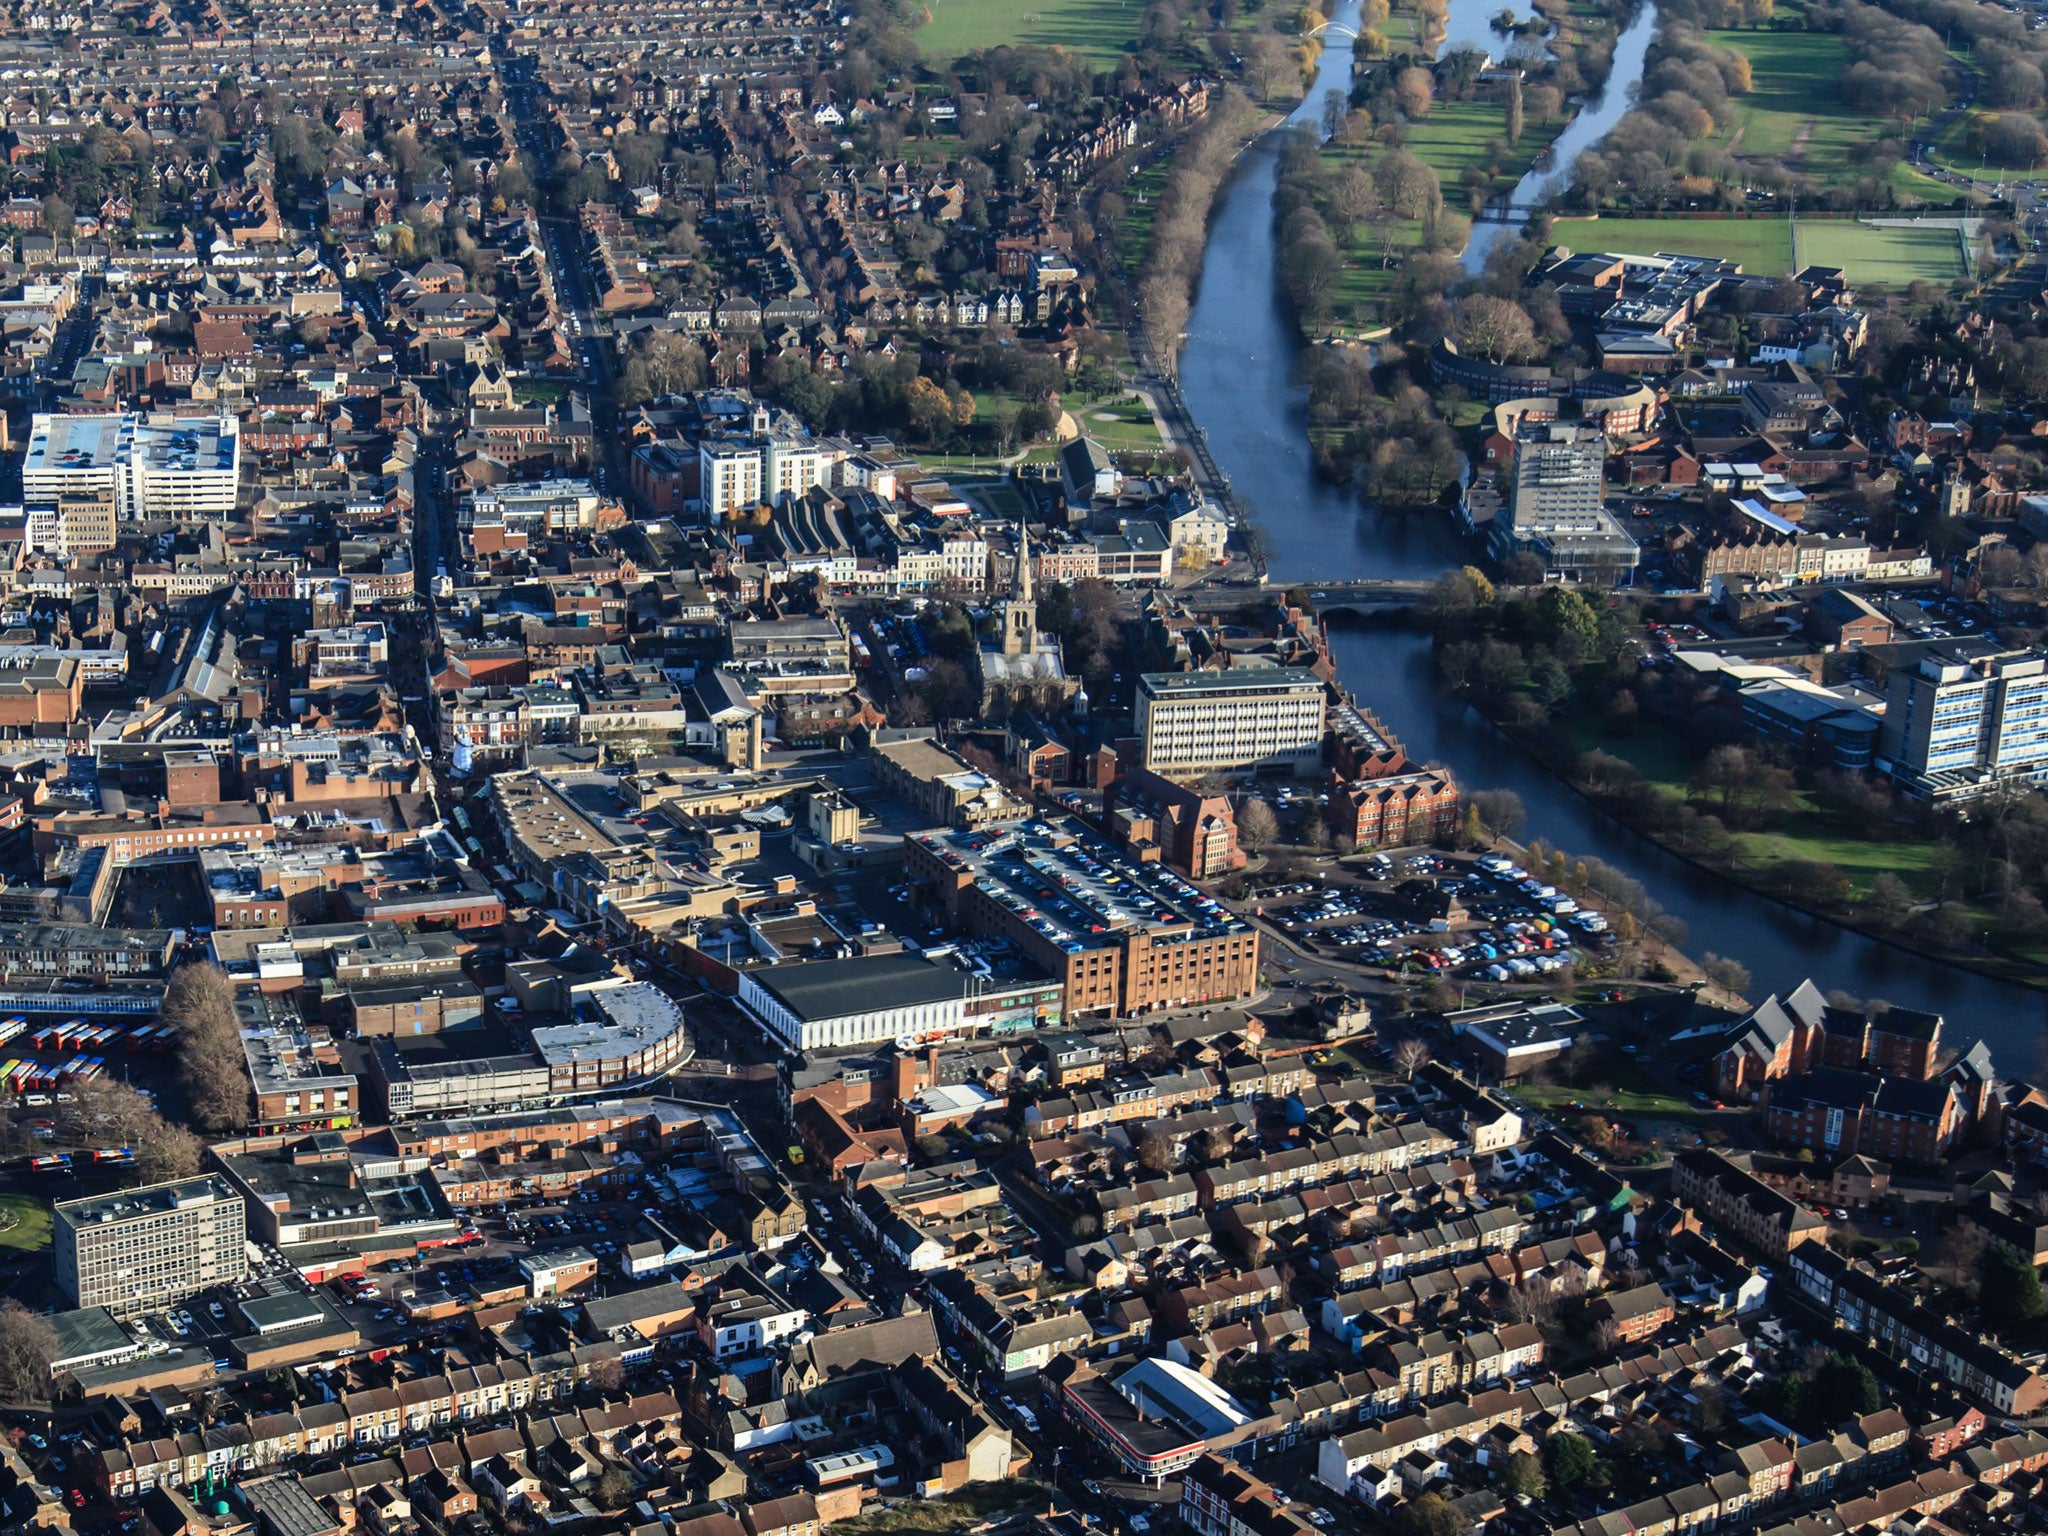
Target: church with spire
{"type": "Point", "coordinates": [1021, 668]}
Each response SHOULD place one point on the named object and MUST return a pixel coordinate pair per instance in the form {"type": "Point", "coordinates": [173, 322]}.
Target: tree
{"type": "Point", "coordinates": [2009, 1289]}
{"type": "Point", "coordinates": [607, 1374]}
{"type": "Point", "coordinates": [199, 1003]}
{"type": "Point", "coordinates": [167, 1152]}
{"type": "Point", "coordinates": [1496, 329]}
{"type": "Point", "coordinates": [1572, 1459]}
{"type": "Point", "coordinates": [1155, 1152]}
{"type": "Point", "coordinates": [1831, 1391]}
{"type": "Point", "coordinates": [1410, 1056]}
{"type": "Point", "coordinates": [1501, 810]}
{"type": "Point", "coordinates": [27, 1346]}
{"type": "Point", "coordinates": [662, 364]}
{"type": "Point", "coordinates": [57, 216]}
{"type": "Point", "coordinates": [1428, 1516]}
{"type": "Point", "coordinates": [1257, 826]}
{"type": "Point", "coordinates": [1269, 66]}
{"type": "Point", "coordinates": [1887, 898]}
{"type": "Point", "coordinates": [1413, 90]}
{"type": "Point", "coordinates": [614, 1488]}
{"type": "Point", "coordinates": [1731, 976]}
{"type": "Point", "coordinates": [1523, 1478]}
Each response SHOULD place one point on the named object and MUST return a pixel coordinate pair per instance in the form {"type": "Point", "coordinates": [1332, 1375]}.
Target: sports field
{"type": "Point", "coordinates": [1761, 245]}
{"type": "Point", "coordinates": [1870, 254]}
{"type": "Point", "coordinates": [1100, 29]}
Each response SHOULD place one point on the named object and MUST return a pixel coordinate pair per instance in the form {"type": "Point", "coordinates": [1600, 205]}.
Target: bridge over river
{"type": "Point", "coordinates": [1371, 594]}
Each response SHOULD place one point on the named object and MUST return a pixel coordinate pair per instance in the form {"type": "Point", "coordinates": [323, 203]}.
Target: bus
{"type": "Point", "coordinates": [119, 1156]}
{"type": "Point", "coordinates": [51, 1162]}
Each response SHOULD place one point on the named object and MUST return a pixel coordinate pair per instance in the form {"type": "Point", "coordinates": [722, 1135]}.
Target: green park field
{"type": "Point", "coordinates": [1761, 245]}
{"type": "Point", "coordinates": [1100, 29]}
{"type": "Point", "coordinates": [1870, 254]}
{"type": "Point", "coordinates": [1793, 114]}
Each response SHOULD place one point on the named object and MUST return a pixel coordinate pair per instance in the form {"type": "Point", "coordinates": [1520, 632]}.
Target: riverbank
{"type": "Point", "coordinates": [1567, 767]}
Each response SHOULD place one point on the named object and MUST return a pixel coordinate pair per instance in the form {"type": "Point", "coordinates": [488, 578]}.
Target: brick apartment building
{"type": "Point", "coordinates": [1800, 1033]}
{"type": "Point", "coordinates": [1837, 1112]}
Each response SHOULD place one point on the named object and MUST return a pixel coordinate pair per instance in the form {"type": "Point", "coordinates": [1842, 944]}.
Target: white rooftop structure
{"type": "Point", "coordinates": [155, 466]}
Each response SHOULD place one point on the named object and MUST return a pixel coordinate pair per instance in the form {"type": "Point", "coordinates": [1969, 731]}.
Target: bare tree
{"type": "Point", "coordinates": [27, 1346]}
{"type": "Point", "coordinates": [1498, 330]}
{"type": "Point", "coordinates": [607, 1375]}
{"type": "Point", "coordinates": [1410, 1056]}
{"type": "Point", "coordinates": [1256, 825]}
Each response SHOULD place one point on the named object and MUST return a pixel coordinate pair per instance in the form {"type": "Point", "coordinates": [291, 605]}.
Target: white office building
{"type": "Point", "coordinates": [157, 466]}
{"type": "Point", "coordinates": [1960, 725]}
{"type": "Point", "coordinates": [537, 508]}
{"type": "Point", "coordinates": [1250, 718]}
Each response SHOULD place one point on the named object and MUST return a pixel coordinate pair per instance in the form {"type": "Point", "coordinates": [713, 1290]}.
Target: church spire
{"type": "Point", "coordinates": [1020, 613]}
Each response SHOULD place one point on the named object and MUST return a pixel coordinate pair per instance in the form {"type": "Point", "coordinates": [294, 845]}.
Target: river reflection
{"type": "Point", "coordinates": [1390, 669]}
{"type": "Point", "coordinates": [1237, 372]}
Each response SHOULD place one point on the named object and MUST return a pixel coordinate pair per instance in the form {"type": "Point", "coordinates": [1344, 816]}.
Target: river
{"type": "Point", "coordinates": [1238, 377]}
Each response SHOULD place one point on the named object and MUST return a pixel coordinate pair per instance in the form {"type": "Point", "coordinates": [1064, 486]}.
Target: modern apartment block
{"type": "Point", "coordinates": [1556, 505]}
{"type": "Point", "coordinates": [1956, 725]}
{"type": "Point", "coordinates": [1266, 718]}
{"type": "Point", "coordinates": [729, 474]}
{"type": "Point", "coordinates": [141, 1249]}
{"type": "Point", "coordinates": [152, 466]}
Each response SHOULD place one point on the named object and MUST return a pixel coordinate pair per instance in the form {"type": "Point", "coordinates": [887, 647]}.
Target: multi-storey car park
{"type": "Point", "coordinates": [152, 466]}
{"type": "Point", "coordinates": [1126, 938]}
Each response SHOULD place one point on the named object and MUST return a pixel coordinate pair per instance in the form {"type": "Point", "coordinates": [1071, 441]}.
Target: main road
{"type": "Point", "coordinates": [575, 302]}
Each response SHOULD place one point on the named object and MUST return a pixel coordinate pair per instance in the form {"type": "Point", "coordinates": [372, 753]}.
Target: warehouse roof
{"type": "Point", "coordinates": [830, 989]}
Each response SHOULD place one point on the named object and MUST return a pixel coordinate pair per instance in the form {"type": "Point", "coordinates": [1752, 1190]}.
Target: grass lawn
{"type": "Point", "coordinates": [1141, 202]}
{"type": "Point", "coordinates": [998, 496]}
{"type": "Point", "coordinates": [982, 464]}
{"type": "Point", "coordinates": [1655, 753]}
{"type": "Point", "coordinates": [1621, 1101]}
{"type": "Point", "coordinates": [1100, 29]}
{"type": "Point", "coordinates": [966, 1510]}
{"type": "Point", "coordinates": [1873, 255]}
{"type": "Point", "coordinates": [1122, 426]}
{"type": "Point", "coordinates": [1911, 186]}
{"type": "Point", "coordinates": [31, 1223]}
{"type": "Point", "coordinates": [1456, 134]}
{"type": "Point", "coordinates": [1761, 245]}
{"type": "Point", "coordinates": [1793, 111]}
